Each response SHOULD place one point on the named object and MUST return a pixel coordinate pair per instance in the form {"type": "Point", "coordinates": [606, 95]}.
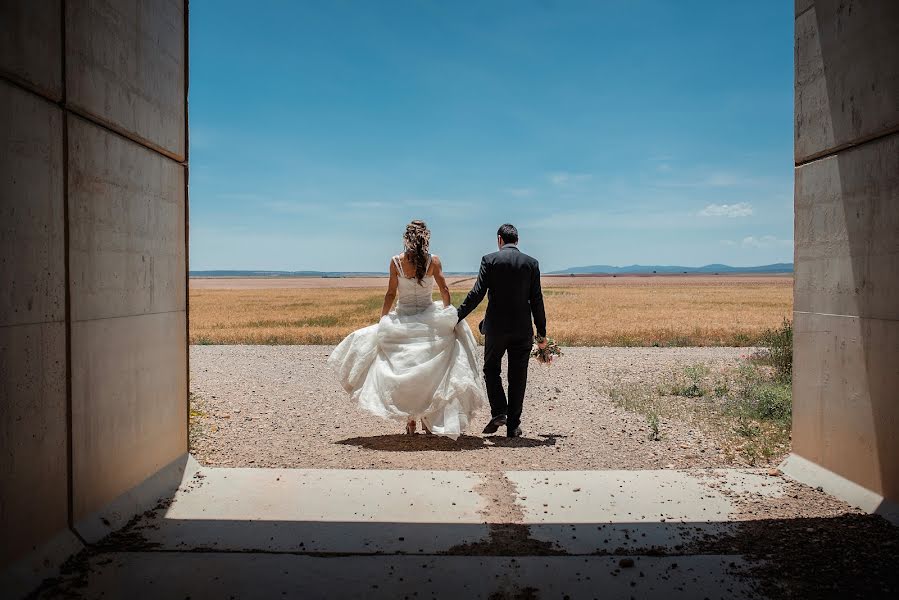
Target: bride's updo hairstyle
{"type": "Point", "coordinates": [417, 241]}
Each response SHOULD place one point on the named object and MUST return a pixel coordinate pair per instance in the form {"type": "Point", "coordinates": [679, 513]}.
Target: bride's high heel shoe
{"type": "Point", "coordinates": [410, 427]}
{"type": "Point", "coordinates": [424, 426]}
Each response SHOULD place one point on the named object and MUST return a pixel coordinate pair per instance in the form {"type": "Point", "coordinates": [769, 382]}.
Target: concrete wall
{"type": "Point", "coordinates": [93, 355]}
{"type": "Point", "coordinates": [33, 485]}
{"type": "Point", "coordinates": [846, 372]}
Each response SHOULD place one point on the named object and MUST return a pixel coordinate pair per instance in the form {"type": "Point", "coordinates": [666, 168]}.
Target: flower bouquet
{"type": "Point", "coordinates": [548, 353]}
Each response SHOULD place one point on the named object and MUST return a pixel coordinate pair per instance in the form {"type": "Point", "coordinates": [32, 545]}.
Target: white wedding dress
{"type": "Point", "coordinates": [417, 362]}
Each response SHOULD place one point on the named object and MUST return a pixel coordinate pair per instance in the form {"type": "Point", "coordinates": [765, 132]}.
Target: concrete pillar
{"type": "Point", "coordinates": [129, 328]}
{"type": "Point", "coordinates": [846, 319]}
{"type": "Point", "coordinates": [93, 262]}
{"type": "Point", "coordinates": [125, 79]}
{"type": "Point", "coordinates": [33, 485]}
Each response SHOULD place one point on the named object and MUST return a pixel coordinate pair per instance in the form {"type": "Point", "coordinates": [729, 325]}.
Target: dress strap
{"type": "Point", "coordinates": [428, 264]}
{"type": "Point", "coordinates": [399, 267]}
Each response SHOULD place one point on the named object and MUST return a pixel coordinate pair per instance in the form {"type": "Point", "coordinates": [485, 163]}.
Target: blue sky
{"type": "Point", "coordinates": [609, 132]}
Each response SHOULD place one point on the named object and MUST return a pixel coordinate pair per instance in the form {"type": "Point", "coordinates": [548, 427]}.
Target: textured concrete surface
{"type": "Point", "coordinates": [30, 47]}
{"type": "Point", "coordinates": [538, 534]}
{"type": "Point", "coordinates": [322, 511]}
{"type": "Point", "coordinates": [351, 534]}
{"type": "Point", "coordinates": [125, 66]}
{"type": "Point", "coordinates": [32, 275]}
{"type": "Point", "coordinates": [23, 575]}
{"type": "Point", "coordinates": [129, 403]}
{"type": "Point", "coordinates": [814, 475]}
{"type": "Point", "coordinates": [32, 436]}
{"type": "Point", "coordinates": [32, 321]}
{"type": "Point", "coordinates": [126, 231]}
{"type": "Point", "coordinates": [847, 76]}
{"type": "Point", "coordinates": [127, 246]}
{"type": "Point", "coordinates": [803, 5]}
{"type": "Point", "coordinates": [429, 512]}
{"type": "Point", "coordinates": [846, 224]}
{"type": "Point", "coordinates": [117, 513]}
{"type": "Point", "coordinates": [846, 412]}
{"type": "Point", "coordinates": [608, 512]}
{"type": "Point", "coordinates": [846, 340]}
{"type": "Point", "coordinates": [151, 575]}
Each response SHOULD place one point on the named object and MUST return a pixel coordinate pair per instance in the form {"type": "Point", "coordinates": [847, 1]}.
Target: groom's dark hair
{"type": "Point", "coordinates": [508, 232]}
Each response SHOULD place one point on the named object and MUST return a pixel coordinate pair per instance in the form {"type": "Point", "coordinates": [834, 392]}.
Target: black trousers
{"type": "Point", "coordinates": [519, 350]}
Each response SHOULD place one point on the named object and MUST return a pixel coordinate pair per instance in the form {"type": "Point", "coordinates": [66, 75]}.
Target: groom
{"type": "Point", "coordinates": [511, 280]}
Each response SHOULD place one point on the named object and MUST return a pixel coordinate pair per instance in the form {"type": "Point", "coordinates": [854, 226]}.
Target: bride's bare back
{"type": "Point", "coordinates": [402, 267]}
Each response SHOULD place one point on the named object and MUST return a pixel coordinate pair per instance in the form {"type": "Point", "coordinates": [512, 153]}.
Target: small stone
{"type": "Point", "coordinates": [626, 563]}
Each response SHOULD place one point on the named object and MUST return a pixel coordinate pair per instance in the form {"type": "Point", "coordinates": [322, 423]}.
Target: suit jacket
{"type": "Point", "coordinates": [511, 281]}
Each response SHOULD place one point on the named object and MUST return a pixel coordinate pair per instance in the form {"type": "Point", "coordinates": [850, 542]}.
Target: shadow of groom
{"type": "Point", "coordinates": [421, 442]}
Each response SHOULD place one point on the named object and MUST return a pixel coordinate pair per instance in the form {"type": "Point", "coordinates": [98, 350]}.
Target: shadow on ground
{"type": "Point", "coordinates": [413, 443]}
{"type": "Point", "coordinates": [848, 556]}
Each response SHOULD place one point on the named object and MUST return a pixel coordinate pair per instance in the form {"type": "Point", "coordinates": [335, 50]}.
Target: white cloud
{"type": "Point", "coordinates": [765, 241]}
{"type": "Point", "coordinates": [740, 209]}
{"type": "Point", "coordinates": [564, 178]}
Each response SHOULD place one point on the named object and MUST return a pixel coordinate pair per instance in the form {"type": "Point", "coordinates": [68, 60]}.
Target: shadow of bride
{"type": "Point", "coordinates": [399, 442]}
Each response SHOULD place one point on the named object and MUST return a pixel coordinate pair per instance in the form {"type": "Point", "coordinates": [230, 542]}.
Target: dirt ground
{"type": "Point", "coordinates": [281, 406]}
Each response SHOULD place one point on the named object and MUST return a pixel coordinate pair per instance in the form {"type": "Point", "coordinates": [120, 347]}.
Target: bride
{"type": "Point", "coordinates": [417, 363]}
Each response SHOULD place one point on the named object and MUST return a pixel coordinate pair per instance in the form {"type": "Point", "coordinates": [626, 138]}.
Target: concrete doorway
{"type": "Point", "coordinates": [93, 356]}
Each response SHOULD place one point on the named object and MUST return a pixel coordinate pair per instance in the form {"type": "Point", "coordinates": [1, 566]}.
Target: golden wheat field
{"type": "Point", "coordinates": [594, 311]}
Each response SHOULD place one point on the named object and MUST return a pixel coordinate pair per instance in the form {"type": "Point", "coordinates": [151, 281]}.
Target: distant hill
{"type": "Point", "coordinates": [241, 274]}
{"type": "Point", "coordinates": [672, 269]}
{"type": "Point", "coordinates": [226, 273]}
{"type": "Point", "coordinates": [589, 270]}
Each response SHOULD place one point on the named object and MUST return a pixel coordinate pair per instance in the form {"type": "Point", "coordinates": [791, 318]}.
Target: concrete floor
{"type": "Point", "coordinates": [154, 575]}
{"type": "Point", "coordinates": [264, 533]}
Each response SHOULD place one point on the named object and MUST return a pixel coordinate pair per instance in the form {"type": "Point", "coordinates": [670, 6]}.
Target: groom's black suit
{"type": "Point", "coordinates": [511, 281]}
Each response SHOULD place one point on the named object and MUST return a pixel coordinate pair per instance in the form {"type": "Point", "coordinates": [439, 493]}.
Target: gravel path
{"type": "Point", "coordinates": [280, 406]}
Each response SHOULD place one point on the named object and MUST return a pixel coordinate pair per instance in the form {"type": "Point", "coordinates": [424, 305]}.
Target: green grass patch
{"type": "Point", "coordinates": [748, 408]}
{"type": "Point", "coordinates": [779, 342]}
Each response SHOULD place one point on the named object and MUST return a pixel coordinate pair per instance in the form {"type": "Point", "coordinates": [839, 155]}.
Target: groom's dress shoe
{"type": "Point", "coordinates": [495, 423]}
{"type": "Point", "coordinates": [514, 433]}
